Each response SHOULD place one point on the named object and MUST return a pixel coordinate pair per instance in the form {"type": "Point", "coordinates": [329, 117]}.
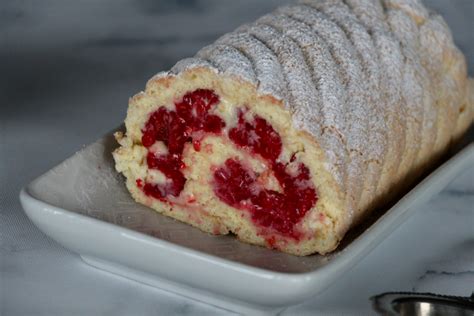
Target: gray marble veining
{"type": "Point", "coordinates": [68, 69]}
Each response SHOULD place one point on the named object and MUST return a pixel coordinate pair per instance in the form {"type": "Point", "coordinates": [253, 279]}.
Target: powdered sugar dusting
{"type": "Point", "coordinates": [414, 8]}
{"type": "Point", "coordinates": [438, 49]}
{"type": "Point", "coordinates": [229, 61]}
{"type": "Point", "coordinates": [350, 73]}
{"type": "Point", "coordinates": [415, 86]}
{"type": "Point", "coordinates": [355, 102]}
{"type": "Point", "coordinates": [390, 58]}
{"type": "Point", "coordinates": [302, 93]}
{"type": "Point", "coordinates": [435, 37]}
{"type": "Point", "coordinates": [369, 12]}
{"type": "Point", "coordinates": [190, 63]}
{"type": "Point", "coordinates": [266, 66]}
{"type": "Point", "coordinates": [329, 87]}
{"type": "Point", "coordinates": [404, 28]}
{"type": "Point", "coordinates": [365, 51]}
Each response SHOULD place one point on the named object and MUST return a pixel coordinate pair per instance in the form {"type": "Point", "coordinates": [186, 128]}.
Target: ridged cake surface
{"type": "Point", "coordinates": [289, 130]}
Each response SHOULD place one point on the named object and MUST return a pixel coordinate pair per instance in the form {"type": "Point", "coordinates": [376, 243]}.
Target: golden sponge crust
{"type": "Point", "coordinates": [427, 104]}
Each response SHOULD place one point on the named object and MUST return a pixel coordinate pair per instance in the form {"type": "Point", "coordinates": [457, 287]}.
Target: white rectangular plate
{"type": "Point", "coordinates": [84, 205]}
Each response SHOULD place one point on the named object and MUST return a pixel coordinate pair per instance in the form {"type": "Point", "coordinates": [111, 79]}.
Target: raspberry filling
{"type": "Point", "coordinates": [234, 183]}
{"type": "Point", "coordinates": [258, 136]}
{"type": "Point", "coordinates": [175, 129]}
{"type": "Point", "coordinates": [237, 185]}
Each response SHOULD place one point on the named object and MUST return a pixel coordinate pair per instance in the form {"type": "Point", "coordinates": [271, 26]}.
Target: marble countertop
{"type": "Point", "coordinates": [68, 69]}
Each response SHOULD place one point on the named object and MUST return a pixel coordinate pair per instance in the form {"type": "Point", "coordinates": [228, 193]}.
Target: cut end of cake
{"type": "Point", "coordinates": [209, 150]}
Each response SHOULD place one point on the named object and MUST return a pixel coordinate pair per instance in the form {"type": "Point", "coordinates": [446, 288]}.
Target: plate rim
{"type": "Point", "coordinates": [353, 253]}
